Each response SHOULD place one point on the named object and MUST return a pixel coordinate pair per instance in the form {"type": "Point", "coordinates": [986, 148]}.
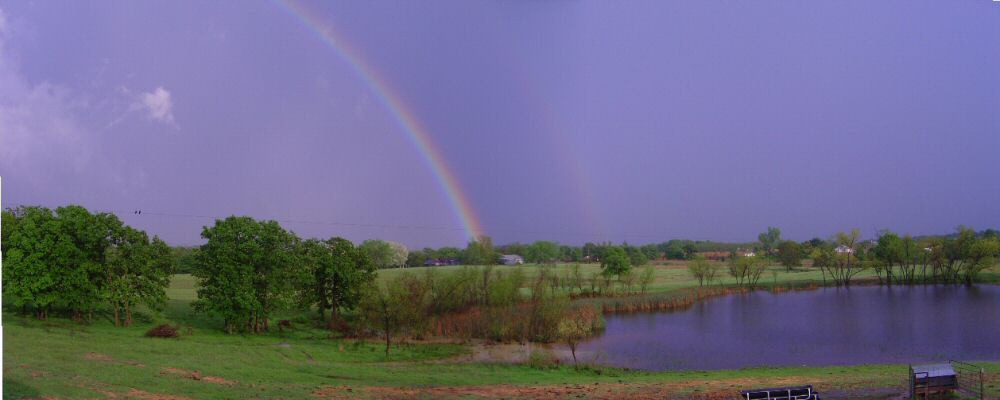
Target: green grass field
{"type": "Point", "coordinates": [670, 276]}
{"type": "Point", "coordinates": [61, 359]}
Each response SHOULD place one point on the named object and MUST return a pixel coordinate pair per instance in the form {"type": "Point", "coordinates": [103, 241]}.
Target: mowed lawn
{"type": "Point", "coordinates": [62, 359]}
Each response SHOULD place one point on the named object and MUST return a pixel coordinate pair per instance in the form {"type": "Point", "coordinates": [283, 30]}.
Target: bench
{"type": "Point", "coordinates": [783, 393]}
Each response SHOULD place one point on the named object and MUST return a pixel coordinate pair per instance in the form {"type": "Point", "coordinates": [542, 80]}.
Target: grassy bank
{"type": "Point", "coordinates": [65, 360]}
{"type": "Point", "coordinates": [61, 359]}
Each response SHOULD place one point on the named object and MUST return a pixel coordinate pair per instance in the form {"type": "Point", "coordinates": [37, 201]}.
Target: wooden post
{"type": "Point", "coordinates": [982, 393]}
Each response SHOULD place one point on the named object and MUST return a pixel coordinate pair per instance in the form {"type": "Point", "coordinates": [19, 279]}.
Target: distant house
{"type": "Point", "coordinates": [431, 262]}
{"type": "Point", "coordinates": [437, 262]}
{"type": "Point", "coordinates": [511, 259]}
{"type": "Point", "coordinates": [844, 250]}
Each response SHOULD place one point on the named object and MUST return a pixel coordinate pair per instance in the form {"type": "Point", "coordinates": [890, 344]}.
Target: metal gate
{"type": "Point", "coordinates": [970, 378]}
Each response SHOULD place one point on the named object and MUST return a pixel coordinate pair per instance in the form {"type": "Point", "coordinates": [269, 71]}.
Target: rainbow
{"type": "Point", "coordinates": [416, 134]}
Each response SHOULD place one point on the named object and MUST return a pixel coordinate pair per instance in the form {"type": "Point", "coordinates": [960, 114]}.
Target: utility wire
{"type": "Point", "coordinates": [139, 213]}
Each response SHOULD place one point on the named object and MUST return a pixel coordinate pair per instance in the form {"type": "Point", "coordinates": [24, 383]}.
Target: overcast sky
{"type": "Point", "coordinates": [564, 120]}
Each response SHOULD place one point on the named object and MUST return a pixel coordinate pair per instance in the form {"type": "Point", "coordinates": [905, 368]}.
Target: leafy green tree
{"type": "Point", "coordinates": [138, 273]}
{"type": "Point", "coordinates": [769, 240]}
{"type": "Point", "coordinates": [651, 251]}
{"type": "Point", "coordinates": [246, 270]}
{"type": "Point", "coordinates": [842, 263]}
{"type": "Point", "coordinates": [480, 252]}
{"type": "Point", "coordinates": [747, 269]}
{"type": "Point", "coordinates": [888, 252]}
{"type": "Point", "coordinates": [615, 261]}
{"type": "Point", "coordinates": [542, 251]}
{"type": "Point", "coordinates": [675, 251]}
{"type": "Point", "coordinates": [699, 268]}
{"type": "Point", "coordinates": [575, 326]}
{"type": "Point", "coordinates": [81, 253]}
{"type": "Point", "coordinates": [416, 258]}
{"type": "Point", "coordinates": [962, 257]}
{"type": "Point", "coordinates": [449, 253]}
{"type": "Point", "coordinates": [647, 278]}
{"type": "Point", "coordinates": [570, 253]}
{"type": "Point", "coordinates": [982, 255]}
{"type": "Point", "coordinates": [689, 250]}
{"type": "Point", "coordinates": [790, 254]}
{"type": "Point", "coordinates": [384, 254]}
{"type": "Point", "coordinates": [991, 233]}
{"type": "Point", "coordinates": [337, 275]}
{"type": "Point", "coordinates": [184, 259]}
{"type": "Point", "coordinates": [816, 243]}
{"type": "Point", "coordinates": [390, 308]}
{"type": "Point", "coordinates": [33, 246]}
{"type": "Point", "coordinates": [60, 260]}
{"type": "Point", "coordinates": [636, 256]}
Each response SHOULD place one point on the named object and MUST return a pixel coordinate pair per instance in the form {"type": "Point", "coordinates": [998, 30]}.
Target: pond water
{"type": "Point", "coordinates": [829, 326]}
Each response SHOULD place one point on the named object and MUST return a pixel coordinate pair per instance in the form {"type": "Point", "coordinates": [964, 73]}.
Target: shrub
{"type": "Point", "coordinates": [163, 331]}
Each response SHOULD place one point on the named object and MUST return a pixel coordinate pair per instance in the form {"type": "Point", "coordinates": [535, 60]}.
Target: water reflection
{"type": "Point", "coordinates": [831, 326]}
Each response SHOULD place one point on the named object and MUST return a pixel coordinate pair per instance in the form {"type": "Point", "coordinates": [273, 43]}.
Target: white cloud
{"type": "Point", "coordinates": [38, 128]}
{"type": "Point", "coordinates": [45, 145]}
{"type": "Point", "coordinates": [158, 105]}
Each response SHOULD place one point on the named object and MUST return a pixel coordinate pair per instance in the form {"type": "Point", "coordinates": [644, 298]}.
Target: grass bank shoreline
{"type": "Point", "coordinates": [61, 359]}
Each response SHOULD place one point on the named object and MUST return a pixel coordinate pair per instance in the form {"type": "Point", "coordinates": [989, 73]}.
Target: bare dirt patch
{"type": "Point", "coordinates": [143, 395]}
{"type": "Point", "coordinates": [218, 381]}
{"type": "Point", "coordinates": [34, 373]}
{"type": "Point", "coordinates": [108, 359]}
{"type": "Point", "coordinates": [197, 376]}
{"type": "Point", "coordinates": [98, 357]}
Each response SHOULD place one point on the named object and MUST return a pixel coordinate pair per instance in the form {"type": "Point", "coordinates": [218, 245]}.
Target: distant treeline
{"type": "Point", "coordinates": [482, 252]}
{"type": "Point", "coordinates": [81, 264]}
{"type": "Point", "coordinates": [895, 259]}
{"type": "Point", "coordinates": [544, 251]}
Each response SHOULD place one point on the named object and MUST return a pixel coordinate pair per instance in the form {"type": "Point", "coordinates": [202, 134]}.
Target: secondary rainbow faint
{"type": "Point", "coordinates": [403, 116]}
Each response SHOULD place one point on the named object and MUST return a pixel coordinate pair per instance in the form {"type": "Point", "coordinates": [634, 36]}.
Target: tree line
{"type": "Point", "coordinates": [75, 262]}
{"type": "Point", "coordinates": [957, 258]}
{"type": "Point", "coordinates": [481, 251]}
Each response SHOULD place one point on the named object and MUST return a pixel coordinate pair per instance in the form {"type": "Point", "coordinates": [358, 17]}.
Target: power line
{"type": "Point", "coordinates": [139, 212]}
